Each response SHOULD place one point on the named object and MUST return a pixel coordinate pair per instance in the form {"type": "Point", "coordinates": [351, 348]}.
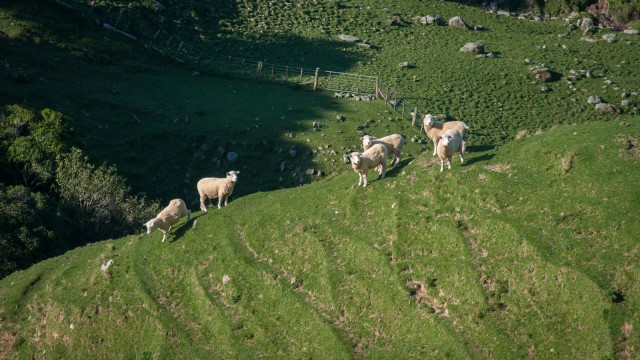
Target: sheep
{"type": "Point", "coordinates": [374, 157]}
{"type": "Point", "coordinates": [434, 130]}
{"type": "Point", "coordinates": [394, 144]}
{"type": "Point", "coordinates": [168, 217]}
{"type": "Point", "coordinates": [221, 188]}
{"type": "Point", "coordinates": [450, 143]}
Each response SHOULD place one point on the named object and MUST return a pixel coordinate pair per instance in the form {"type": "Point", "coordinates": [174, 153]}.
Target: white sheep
{"type": "Point", "coordinates": [434, 130]}
{"type": "Point", "coordinates": [450, 143]}
{"type": "Point", "coordinates": [221, 188]}
{"type": "Point", "coordinates": [374, 157]}
{"type": "Point", "coordinates": [168, 217]}
{"type": "Point", "coordinates": [394, 144]}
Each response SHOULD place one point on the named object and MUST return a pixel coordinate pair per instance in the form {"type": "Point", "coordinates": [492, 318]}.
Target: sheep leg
{"type": "Point", "coordinates": [164, 235]}
{"type": "Point", "coordinates": [435, 146]}
{"type": "Point", "coordinates": [441, 165]}
{"type": "Point", "coordinates": [359, 179]}
{"type": "Point", "coordinates": [364, 176]}
{"type": "Point", "coordinates": [384, 169]}
{"type": "Point", "coordinates": [449, 163]}
{"type": "Point", "coordinates": [203, 206]}
{"type": "Point", "coordinates": [461, 158]}
{"type": "Point", "coordinates": [220, 202]}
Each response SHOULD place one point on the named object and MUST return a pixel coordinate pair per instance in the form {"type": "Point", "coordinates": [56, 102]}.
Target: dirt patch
{"type": "Point", "coordinates": [630, 149]}
{"type": "Point", "coordinates": [624, 349]}
{"type": "Point", "coordinates": [7, 340]}
{"type": "Point", "coordinates": [499, 168]}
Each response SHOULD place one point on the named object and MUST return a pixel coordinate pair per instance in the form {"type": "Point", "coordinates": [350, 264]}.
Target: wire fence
{"type": "Point", "coordinates": [131, 23]}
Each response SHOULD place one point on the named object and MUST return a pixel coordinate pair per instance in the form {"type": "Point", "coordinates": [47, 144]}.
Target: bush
{"type": "Point", "coordinates": [97, 198]}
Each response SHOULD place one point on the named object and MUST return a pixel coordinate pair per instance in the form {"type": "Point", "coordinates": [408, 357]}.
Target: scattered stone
{"type": "Point", "coordinates": [631, 32]}
{"type": "Point", "coordinates": [340, 118]}
{"type": "Point", "coordinates": [528, 61]}
{"type": "Point", "coordinates": [292, 153]}
{"type": "Point", "coordinates": [310, 171]}
{"type": "Point", "coordinates": [232, 156]}
{"type": "Point", "coordinates": [609, 38]}
{"type": "Point", "coordinates": [225, 279]}
{"type": "Point", "coordinates": [476, 47]}
{"type": "Point", "coordinates": [458, 22]}
{"type": "Point", "coordinates": [593, 100]}
{"type": "Point", "coordinates": [348, 38]}
{"type": "Point", "coordinates": [585, 24]}
{"type": "Point", "coordinates": [626, 103]}
{"type": "Point", "coordinates": [478, 28]}
{"type": "Point", "coordinates": [345, 159]}
{"type": "Point", "coordinates": [607, 108]}
{"type": "Point", "coordinates": [317, 125]}
{"type": "Point", "coordinates": [365, 45]}
{"type": "Point", "coordinates": [625, 95]}
{"type": "Point", "coordinates": [545, 89]}
{"type": "Point", "coordinates": [541, 73]}
{"type": "Point", "coordinates": [195, 73]}
{"type": "Point", "coordinates": [588, 39]}
{"type": "Point", "coordinates": [503, 13]}
{"type": "Point", "coordinates": [106, 265]}
{"type": "Point", "coordinates": [157, 6]}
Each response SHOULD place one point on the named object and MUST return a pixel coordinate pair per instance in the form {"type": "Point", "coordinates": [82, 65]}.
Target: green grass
{"type": "Point", "coordinates": [512, 254]}
{"type": "Point", "coordinates": [527, 250]}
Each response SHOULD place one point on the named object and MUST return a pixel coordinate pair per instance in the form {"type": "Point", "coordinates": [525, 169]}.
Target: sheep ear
{"type": "Point", "coordinates": [361, 137]}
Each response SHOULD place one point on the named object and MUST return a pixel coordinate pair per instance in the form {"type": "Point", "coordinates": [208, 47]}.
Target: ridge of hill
{"type": "Point", "coordinates": [526, 250]}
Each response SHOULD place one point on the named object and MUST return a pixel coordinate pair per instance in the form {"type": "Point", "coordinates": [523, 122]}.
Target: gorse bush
{"type": "Point", "coordinates": [52, 197]}
{"type": "Point", "coordinates": [97, 198]}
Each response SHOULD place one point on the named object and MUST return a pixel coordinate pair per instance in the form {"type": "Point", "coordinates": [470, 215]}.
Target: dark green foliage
{"type": "Point", "coordinates": [97, 198]}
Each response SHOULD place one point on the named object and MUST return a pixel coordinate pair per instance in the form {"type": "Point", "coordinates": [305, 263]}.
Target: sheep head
{"type": "Point", "coordinates": [354, 157]}
{"type": "Point", "coordinates": [367, 141]}
{"type": "Point", "coordinates": [151, 225]}
{"type": "Point", "coordinates": [233, 175]}
{"type": "Point", "coordinates": [429, 120]}
{"type": "Point", "coordinates": [446, 139]}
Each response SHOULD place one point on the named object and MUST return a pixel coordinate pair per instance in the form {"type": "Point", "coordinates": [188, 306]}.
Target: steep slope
{"type": "Point", "coordinates": [526, 250]}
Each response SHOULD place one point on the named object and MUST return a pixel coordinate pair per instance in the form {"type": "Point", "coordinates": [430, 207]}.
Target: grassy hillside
{"type": "Point", "coordinates": [526, 250]}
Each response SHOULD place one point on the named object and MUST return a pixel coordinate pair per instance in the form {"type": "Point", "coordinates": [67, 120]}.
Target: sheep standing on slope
{"type": "Point", "coordinates": [394, 144]}
{"type": "Point", "coordinates": [434, 130]}
{"type": "Point", "coordinates": [168, 217]}
{"type": "Point", "coordinates": [375, 156]}
{"type": "Point", "coordinates": [221, 188]}
{"type": "Point", "coordinates": [450, 143]}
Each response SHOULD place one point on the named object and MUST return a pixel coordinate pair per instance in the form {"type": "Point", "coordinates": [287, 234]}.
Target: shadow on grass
{"type": "Point", "coordinates": [182, 229]}
{"type": "Point", "coordinates": [481, 158]}
{"type": "Point", "coordinates": [394, 171]}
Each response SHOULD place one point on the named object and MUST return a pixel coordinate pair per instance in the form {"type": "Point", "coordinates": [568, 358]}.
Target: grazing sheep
{"type": "Point", "coordinates": [374, 157]}
{"type": "Point", "coordinates": [168, 217]}
{"type": "Point", "coordinates": [394, 144]}
{"type": "Point", "coordinates": [434, 130]}
{"type": "Point", "coordinates": [221, 188]}
{"type": "Point", "coordinates": [450, 143]}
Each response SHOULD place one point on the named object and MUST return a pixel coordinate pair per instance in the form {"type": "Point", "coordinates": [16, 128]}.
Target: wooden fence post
{"type": "Point", "coordinates": [315, 81]}
{"type": "Point", "coordinates": [414, 116]}
{"type": "Point", "coordinates": [154, 37]}
{"type": "Point", "coordinates": [259, 69]}
{"type": "Point", "coordinates": [301, 72]}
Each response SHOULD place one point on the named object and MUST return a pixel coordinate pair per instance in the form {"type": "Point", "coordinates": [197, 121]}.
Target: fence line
{"type": "Point", "coordinates": [127, 24]}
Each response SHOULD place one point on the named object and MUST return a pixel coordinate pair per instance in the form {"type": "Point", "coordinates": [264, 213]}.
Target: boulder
{"type": "Point", "coordinates": [475, 47]}
{"type": "Point", "coordinates": [458, 22]}
{"type": "Point", "coordinates": [593, 100]}
{"type": "Point", "coordinates": [631, 32]}
{"type": "Point", "coordinates": [585, 24]}
{"type": "Point", "coordinates": [606, 108]}
{"type": "Point", "coordinates": [609, 38]}
{"type": "Point", "coordinates": [348, 38]}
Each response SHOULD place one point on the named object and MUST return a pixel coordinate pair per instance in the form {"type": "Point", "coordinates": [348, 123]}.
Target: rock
{"type": "Point", "coordinates": [232, 156]}
{"type": "Point", "coordinates": [503, 13]}
{"type": "Point", "coordinates": [626, 102]}
{"type": "Point", "coordinates": [541, 73]}
{"type": "Point", "coordinates": [106, 265]}
{"type": "Point", "coordinates": [320, 173]}
{"type": "Point", "coordinates": [157, 6]}
{"type": "Point", "coordinates": [310, 171]}
{"type": "Point", "coordinates": [225, 279]}
{"type": "Point", "coordinates": [476, 47]}
{"type": "Point", "coordinates": [588, 39]}
{"type": "Point", "coordinates": [606, 108]}
{"type": "Point", "coordinates": [544, 89]}
{"type": "Point", "coordinates": [348, 38]}
{"type": "Point", "coordinates": [433, 20]}
{"type": "Point", "coordinates": [625, 95]}
{"type": "Point", "coordinates": [345, 159]}
{"type": "Point", "coordinates": [458, 22]}
{"type": "Point", "coordinates": [586, 25]}
{"type": "Point", "coordinates": [478, 28]}
{"type": "Point", "coordinates": [195, 73]}
{"type": "Point", "coordinates": [340, 118]}
{"type": "Point", "coordinates": [292, 152]}
{"type": "Point", "coordinates": [317, 125]}
{"type": "Point", "coordinates": [593, 100]}
{"type": "Point", "coordinates": [528, 61]}
{"type": "Point", "coordinates": [631, 32]}
{"type": "Point", "coordinates": [365, 45]}
{"type": "Point", "coordinates": [609, 38]}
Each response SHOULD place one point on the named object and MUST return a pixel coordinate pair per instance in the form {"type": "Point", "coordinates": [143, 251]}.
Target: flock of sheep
{"type": "Point", "coordinates": [448, 138]}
